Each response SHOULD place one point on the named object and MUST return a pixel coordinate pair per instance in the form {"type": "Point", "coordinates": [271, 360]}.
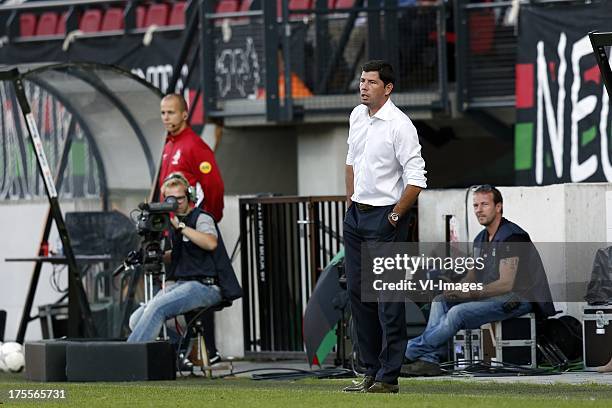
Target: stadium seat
{"type": "Point", "coordinates": [343, 4]}
{"type": "Point", "coordinates": [113, 19]}
{"type": "Point", "coordinates": [60, 29]}
{"type": "Point", "coordinates": [91, 20]}
{"type": "Point", "coordinates": [157, 14]}
{"type": "Point", "coordinates": [27, 24]}
{"type": "Point", "coordinates": [177, 15]}
{"type": "Point", "coordinates": [47, 24]}
{"type": "Point", "coordinates": [299, 5]}
{"type": "Point", "coordinates": [481, 26]}
{"type": "Point", "coordinates": [227, 6]}
{"type": "Point", "coordinates": [141, 12]}
{"type": "Point", "coordinates": [245, 5]}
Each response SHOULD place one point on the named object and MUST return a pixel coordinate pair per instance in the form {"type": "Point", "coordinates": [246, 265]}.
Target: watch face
{"type": "Point", "coordinates": [394, 217]}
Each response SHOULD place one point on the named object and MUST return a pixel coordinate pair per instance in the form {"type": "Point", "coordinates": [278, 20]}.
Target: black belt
{"type": "Point", "coordinates": [203, 280]}
{"type": "Point", "coordinates": [365, 207]}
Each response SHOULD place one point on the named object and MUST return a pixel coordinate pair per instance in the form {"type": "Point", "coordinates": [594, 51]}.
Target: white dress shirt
{"type": "Point", "coordinates": [385, 153]}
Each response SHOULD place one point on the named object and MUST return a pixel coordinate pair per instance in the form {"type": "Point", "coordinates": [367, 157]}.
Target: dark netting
{"type": "Point", "coordinates": [326, 49]}
{"type": "Point", "coordinates": [333, 75]}
{"type": "Point", "coordinates": [491, 53]}
{"type": "Point", "coordinates": [19, 175]}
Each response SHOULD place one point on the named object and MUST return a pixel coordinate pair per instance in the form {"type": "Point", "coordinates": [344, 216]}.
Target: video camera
{"type": "Point", "coordinates": [151, 222]}
{"type": "Point", "coordinates": [154, 217]}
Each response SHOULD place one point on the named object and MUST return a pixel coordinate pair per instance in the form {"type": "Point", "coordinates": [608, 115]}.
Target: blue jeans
{"type": "Point", "coordinates": [447, 318]}
{"type": "Point", "coordinates": [178, 298]}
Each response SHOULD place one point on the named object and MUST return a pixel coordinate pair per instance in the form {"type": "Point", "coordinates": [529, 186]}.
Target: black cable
{"type": "Point", "coordinates": [236, 249]}
{"type": "Point", "coordinates": [480, 367]}
{"type": "Point", "coordinates": [292, 374]}
{"type": "Point", "coordinates": [54, 278]}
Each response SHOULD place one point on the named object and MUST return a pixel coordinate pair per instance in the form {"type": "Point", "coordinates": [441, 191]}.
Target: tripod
{"type": "Point", "coordinates": [148, 259]}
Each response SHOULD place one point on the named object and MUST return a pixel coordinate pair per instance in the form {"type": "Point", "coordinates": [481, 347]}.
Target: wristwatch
{"type": "Point", "coordinates": [181, 226]}
{"type": "Point", "coordinates": [393, 216]}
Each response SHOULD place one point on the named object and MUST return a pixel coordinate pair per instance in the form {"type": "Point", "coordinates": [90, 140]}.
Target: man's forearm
{"type": "Point", "coordinates": [349, 183]}
{"type": "Point", "coordinates": [407, 200]}
{"type": "Point", "coordinates": [205, 241]}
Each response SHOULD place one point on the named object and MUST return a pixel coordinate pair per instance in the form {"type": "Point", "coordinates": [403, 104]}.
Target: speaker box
{"type": "Point", "coordinates": [120, 361]}
{"type": "Point", "coordinates": [45, 360]}
{"type": "Point", "coordinates": [516, 341]}
{"type": "Point", "coordinates": [597, 336]}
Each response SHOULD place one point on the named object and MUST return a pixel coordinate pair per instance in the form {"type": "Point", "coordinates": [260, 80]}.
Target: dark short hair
{"type": "Point", "coordinates": [181, 100]}
{"type": "Point", "coordinates": [384, 69]}
{"type": "Point", "coordinates": [487, 188]}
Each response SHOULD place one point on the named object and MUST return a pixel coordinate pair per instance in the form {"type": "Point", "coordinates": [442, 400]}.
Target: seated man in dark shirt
{"type": "Point", "coordinates": [200, 268]}
{"type": "Point", "coordinates": [513, 277]}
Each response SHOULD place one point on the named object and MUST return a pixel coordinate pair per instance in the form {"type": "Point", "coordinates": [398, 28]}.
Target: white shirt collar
{"type": "Point", "coordinates": [385, 112]}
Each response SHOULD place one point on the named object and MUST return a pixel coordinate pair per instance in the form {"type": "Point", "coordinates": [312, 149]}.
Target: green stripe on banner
{"type": "Point", "coordinates": [77, 153]}
{"type": "Point", "coordinates": [548, 160]}
{"type": "Point", "coordinates": [588, 136]}
{"type": "Point", "coordinates": [523, 146]}
{"type": "Point", "coordinates": [326, 345]}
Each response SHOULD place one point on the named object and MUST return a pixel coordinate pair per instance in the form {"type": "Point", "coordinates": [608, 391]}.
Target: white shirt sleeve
{"type": "Point", "coordinates": [408, 153]}
{"type": "Point", "coordinates": [350, 155]}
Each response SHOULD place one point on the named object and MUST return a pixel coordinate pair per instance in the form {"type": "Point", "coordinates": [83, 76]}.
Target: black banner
{"type": "Point", "coordinates": [563, 118]}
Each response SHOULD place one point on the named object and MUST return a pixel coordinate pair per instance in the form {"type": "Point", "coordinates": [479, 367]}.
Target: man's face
{"type": "Point", "coordinates": [372, 90]}
{"type": "Point", "coordinates": [179, 192]}
{"type": "Point", "coordinates": [485, 209]}
{"type": "Point", "coordinates": [173, 118]}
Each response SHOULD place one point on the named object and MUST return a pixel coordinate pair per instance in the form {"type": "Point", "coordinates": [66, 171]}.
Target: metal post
{"type": "Point", "coordinates": [271, 60]}
{"type": "Point", "coordinates": [442, 58]}
{"type": "Point", "coordinates": [322, 39]}
{"type": "Point", "coordinates": [391, 38]}
{"type": "Point", "coordinates": [190, 33]}
{"type": "Point", "coordinates": [288, 100]}
{"type": "Point", "coordinates": [461, 48]}
{"type": "Point", "coordinates": [25, 315]}
{"type": "Point", "coordinates": [207, 57]}
{"type": "Point", "coordinates": [374, 38]}
{"type": "Point", "coordinates": [80, 320]}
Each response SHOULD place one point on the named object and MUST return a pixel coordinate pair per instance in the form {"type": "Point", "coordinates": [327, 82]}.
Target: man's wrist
{"type": "Point", "coordinates": [393, 217]}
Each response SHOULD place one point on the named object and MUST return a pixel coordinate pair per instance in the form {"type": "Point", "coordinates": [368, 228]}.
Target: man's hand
{"type": "Point", "coordinates": [174, 221]}
{"type": "Point", "coordinates": [455, 295]}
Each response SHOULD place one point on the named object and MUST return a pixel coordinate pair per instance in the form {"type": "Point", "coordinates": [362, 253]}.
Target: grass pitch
{"type": "Point", "coordinates": [311, 393]}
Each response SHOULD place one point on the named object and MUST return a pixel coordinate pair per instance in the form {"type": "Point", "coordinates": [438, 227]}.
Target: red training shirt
{"type": "Point", "coordinates": [188, 153]}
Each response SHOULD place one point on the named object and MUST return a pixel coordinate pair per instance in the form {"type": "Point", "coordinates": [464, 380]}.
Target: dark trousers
{"type": "Point", "coordinates": [380, 326]}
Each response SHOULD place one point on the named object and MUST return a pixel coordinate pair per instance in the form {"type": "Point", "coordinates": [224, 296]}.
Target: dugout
{"type": "Point", "coordinates": [94, 131]}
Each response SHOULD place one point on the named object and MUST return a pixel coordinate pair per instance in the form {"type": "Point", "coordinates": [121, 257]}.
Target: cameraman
{"type": "Point", "coordinates": [198, 263]}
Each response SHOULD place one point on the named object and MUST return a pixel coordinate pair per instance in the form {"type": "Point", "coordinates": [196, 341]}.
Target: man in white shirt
{"type": "Point", "coordinates": [384, 176]}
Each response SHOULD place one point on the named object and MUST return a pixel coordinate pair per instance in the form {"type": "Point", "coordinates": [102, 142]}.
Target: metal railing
{"type": "Point", "coordinates": [283, 64]}
{"type": "Point", "coordinates": [285, 244]}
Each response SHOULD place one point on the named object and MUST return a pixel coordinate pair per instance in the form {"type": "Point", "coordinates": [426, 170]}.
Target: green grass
{"type": "Point", "coordinates": [312, 393]}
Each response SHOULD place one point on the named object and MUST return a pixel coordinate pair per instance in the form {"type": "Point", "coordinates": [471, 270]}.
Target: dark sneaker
{"type": "Point", "coordinates": [421, 368]}
{"type": "Point", "coordinates": [185, 365]}
{"type": "Point", "coordinates": [360, 386]}
{"type": "Point", "coordinates": [380, 387]}
{"type": "Point", "coordinates": [214, 359]}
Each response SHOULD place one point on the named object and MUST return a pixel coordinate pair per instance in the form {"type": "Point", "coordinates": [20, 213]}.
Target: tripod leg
{"type": "Point", "coordinates": [129, 302]}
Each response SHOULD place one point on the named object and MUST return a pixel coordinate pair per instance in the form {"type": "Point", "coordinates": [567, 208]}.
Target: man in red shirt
{"type": "Point", "coordinates": [186, 152]}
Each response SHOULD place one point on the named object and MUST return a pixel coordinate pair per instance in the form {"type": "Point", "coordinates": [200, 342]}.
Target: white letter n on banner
{"type": "Point", "coordinates": [554, 125]}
